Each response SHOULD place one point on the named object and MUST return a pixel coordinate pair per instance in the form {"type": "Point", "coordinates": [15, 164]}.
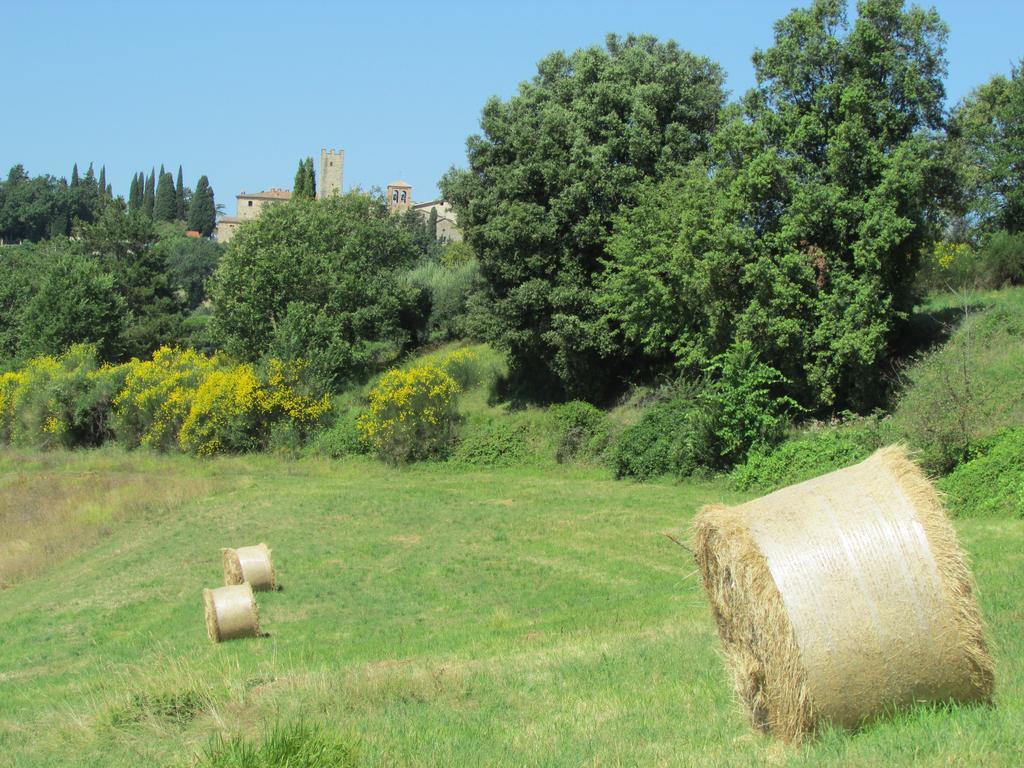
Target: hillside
{"type": "Point", "coordinates": [429, 616]}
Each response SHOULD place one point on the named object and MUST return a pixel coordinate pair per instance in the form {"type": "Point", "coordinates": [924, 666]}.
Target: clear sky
{"type": "Point", "coordinates": [241, 90]}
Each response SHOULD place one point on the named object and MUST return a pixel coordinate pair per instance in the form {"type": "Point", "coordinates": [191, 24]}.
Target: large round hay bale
{"type": "Point", "coordinates": [842, 597]}
{"type": "Point", "coordinates": [231, 612]}
{"type": "Point", "coordinates": [249, 564]}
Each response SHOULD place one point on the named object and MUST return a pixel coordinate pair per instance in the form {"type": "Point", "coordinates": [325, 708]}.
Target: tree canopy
{"type": "Point", "coordinates": [552, 167]}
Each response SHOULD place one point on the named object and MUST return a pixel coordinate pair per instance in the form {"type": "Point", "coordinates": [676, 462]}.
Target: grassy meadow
{"type": "Point", "coordinates": [435, 615]}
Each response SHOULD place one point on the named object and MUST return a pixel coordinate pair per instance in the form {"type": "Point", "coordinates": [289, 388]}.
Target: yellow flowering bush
{"type": "Point", "coordinates": [412, 414]}
{"type": "Point", "coordinates": [57, 401]}
{"type": "Point", "coordinates": [157, 396]}
{"type": "Point", "coordinates": [462, 365]}
{"type": "Point", "coordinates": [233, 410]}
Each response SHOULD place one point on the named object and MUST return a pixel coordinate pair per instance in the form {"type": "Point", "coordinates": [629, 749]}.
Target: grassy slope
{"type": "Point", "coordinates": [444, 617]}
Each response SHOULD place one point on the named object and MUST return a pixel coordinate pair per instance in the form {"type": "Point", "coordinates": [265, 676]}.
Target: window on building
{"type": "Point", "coordinates": [250, 203]}
{"type": "Point", "coordinates": [394, 196]}
{"type": "Point", "coordinates": [403, 196]}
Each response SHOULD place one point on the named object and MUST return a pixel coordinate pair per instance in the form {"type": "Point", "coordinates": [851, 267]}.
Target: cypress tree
{"type": "Point", "coordinates": [149, 194]}
{"type": "Point", "coordinates": [202, 213]}
{"type": "Point", "coordinates": [133, 194]}
{"type": "Point", "coordinates": [165, 205]}
{"type": "Point", "coordinates": [310, 178]}
{"type": "Point", "coordinates": [300, 190]}
{"type": "Point", "coordinates": [103, 181]}
{"type": "Point", "coordinates": [74, 176]}
{"type": "Point", "coordinates": [179, 198]}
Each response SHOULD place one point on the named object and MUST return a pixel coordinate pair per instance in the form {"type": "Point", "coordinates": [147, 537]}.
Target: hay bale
{"type": "Point", "coordinates": [249, 564]}
{"type": "Point", "coordinates": [842, 597]}
{"type": "Point", "coordinates": [231, 612]}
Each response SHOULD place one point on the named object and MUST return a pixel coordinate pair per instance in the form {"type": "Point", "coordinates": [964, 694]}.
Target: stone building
{"type": "Point", "coordinates": [331, 180]}
{"type": "Point", "coordinates": [399, 199]}
{"type": "Point", "coordinates": [248, 206]}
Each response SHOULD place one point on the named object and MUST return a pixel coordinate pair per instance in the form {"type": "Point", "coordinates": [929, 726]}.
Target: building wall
{"type": "Point", "coordinates": [447, 222]}
{"type": "Point", "coordinates": [332, 173]}
{"type": "Point", "coordinates": [399, 198]}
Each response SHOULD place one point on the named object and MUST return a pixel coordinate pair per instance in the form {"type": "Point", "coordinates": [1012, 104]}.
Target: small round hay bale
{"type": "Point", "coordinates": [249, 564]}
{"type": "Point", "coordinates": [231, 612]}
{"type": "Point", "coordinates": [842, 597]}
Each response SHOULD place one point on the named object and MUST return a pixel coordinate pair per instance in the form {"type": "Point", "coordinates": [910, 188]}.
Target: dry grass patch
{"type": "Point", "coordinates": [49, 513]}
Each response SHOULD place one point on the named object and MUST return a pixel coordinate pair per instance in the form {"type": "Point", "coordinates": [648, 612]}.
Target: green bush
{"type": "Point", "coordinates": [1003, 260]}
{"type": "Point", "coordinates": [449, 288]}
{"type": "Point", "coordinates": [808, 455]}
{"type": "Point", "coordinates": [992, 483]}
{"type": "Point", "coordinates": [341, 438]}
{"type": "Point", "coordinates": [966, 391]}
{"type": "Point", "coordinates": [494, 444]}
{"type": "Point", "coordinates": [671, 438]}
{"type": "Point", "coordinates": [581, 431]}
{"type": "Point", "coordinates": [293, 746]}
{"type": "Point", "coordinates": [740, 407]}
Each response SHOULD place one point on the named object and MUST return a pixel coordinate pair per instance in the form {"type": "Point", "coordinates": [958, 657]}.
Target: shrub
{"type": "Point", "coordinates": [966, 391]}
{"type": "Point", "coordinates": [992, 483]}
{"type": "Point", "coordinates": [340, 438]}
{"type": "Point", "coordinates": [1003, 260]}
{"type": "Point", "coordinates": [740, 408]}
{"type": "Point", "coordinates": [412, 415]}
{"type": "Point", "coordinates": [233, 410]}
{"type": "Point", "coordinates": [449, 288]}
{"type": "Point", "coordinates": [581, 430]}
{"type": "Point", "coordinates": [495, 444]}
{"type": "Point", "coordinates": [671, 438]}
{"type": "Point", "coordinates": [59, 401]}
{"type": "Point", "coordinates": [810, 454]}
{"type": "Point", "coordinates": [156, 398]}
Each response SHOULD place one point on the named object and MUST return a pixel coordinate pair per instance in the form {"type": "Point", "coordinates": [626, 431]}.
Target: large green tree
{"type": "Point", "coordinates": [304, 187]}
{"type": "Point", "coordinates": [149, 194]}
{"type": "Point", "coordinates": [317, 280]}
{"type": "Point", "coordinates": [202, 211]}
{"type": "Point", "coordinates": [802, 236]}
{"type": "Point", "coordinates": [987, 132]}
{"type": "Point", "coordinates": [552, 167]}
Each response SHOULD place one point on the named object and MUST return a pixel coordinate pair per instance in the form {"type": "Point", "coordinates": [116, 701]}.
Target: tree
{"type": "Point", "coordinates": [987, 131]}
{"type": "Point", "coordinates": [103, 181]}
{"type": "Point", "coordinates": [190, 263]}
{"type": "Point", "coordinates": [554, 165]}
{"type": "Point", "coordinates": [124, 244]}
{"type": "Point", "coordinates": [135, 194]}
{"type": "Point", "coordinates": [802, 235]}
{"type": "Point", "coordinates": [317, 280]}
{"type": "Point", "coordinates": [179, 198]}
{"type": "Point", "coordinates": [310, 177]}
{"type": "Point", "coordinates": [74, 176]}
{"type": "Point", "coordinates": [165, 204]}
{"type": "Point", "coordinates": [300, 188]}
{"type": "Point", "coordinates": [202, 213]}
{"type": "Point", "coordinates": [76, 301]}
{"type": "Point", "coordinates": [149, 195]}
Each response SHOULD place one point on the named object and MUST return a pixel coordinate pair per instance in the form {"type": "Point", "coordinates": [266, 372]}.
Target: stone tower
{"type": "Point", "coordinates": [399, 196]}
{"type": "Point", "coordinates": [332, 173]}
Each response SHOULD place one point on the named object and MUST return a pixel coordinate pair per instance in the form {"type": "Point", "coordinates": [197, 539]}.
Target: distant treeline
{"type": "Point", "coordinates": [41, 207]}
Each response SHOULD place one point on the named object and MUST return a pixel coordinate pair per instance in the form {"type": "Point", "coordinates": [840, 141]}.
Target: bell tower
{"type": "Point", "coordinates": [332, 173]}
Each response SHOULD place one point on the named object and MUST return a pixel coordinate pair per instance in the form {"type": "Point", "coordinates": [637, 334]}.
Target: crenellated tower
{"type": "Point", "coordinates": [332, 173]}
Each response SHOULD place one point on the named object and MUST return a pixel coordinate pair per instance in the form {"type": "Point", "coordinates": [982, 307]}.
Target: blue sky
{"type": "Point", "coordinates": [241, 91]}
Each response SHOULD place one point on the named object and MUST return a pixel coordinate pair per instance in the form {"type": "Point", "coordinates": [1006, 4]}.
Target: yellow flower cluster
{"type": "Point", "coordinates": [204, 405]}
{"type": "Point", "coordinates": [411, 414]}
{"type": "Point", "coordinates": [946, 254]}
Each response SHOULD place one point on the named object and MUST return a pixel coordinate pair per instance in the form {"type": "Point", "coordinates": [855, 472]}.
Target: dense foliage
{"type": "Point", "coordinates": [178, 399]}
{"type": "Point", "coordinates": [803, 234]}
{"type": "Point", "coordinates": [991, 484]}
{"type": "Point", "coordinates": [555, 163]}
{"type": "Point", "coordinates": [317, 280]}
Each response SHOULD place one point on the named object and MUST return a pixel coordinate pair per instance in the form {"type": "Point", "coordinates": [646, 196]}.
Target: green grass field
{"type": "Point", "coordinates": [428, 616]}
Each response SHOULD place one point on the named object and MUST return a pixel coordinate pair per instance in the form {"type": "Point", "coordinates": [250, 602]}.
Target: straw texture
{"type": "Point", "coordinates": [839, 598]}
{"type": "Point", "coordinates": [231, 612]}
{"type": "Point", "coordinates": [250, 564]}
